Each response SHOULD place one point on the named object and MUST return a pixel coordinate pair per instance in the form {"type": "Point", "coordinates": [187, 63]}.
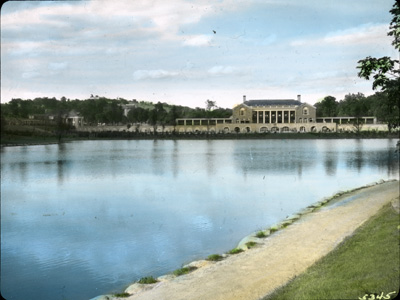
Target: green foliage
{"type": "Point", "coordinates": [214, 257]}
{"type": "Point", "coordinates": [103, 110]}
{"type": "Point", "coordinates": [381, 69]}
{"type": "Point", "coordinates": [384, 73]}
{"type": "Point", "coordinates": [366, 262]}
{"type": "Point", "coordinates": [147, 280]}
{"type": "Point", "coordinates": [261, 234]}
{"type": "Point", "coordinates": [184, 271]}
{"type": "Point", "coordinates": [122, 295]}
{"type": "Point", "coordinates": [251, 244]}
{"type": "Point", "coordinates": [327, 107]}
{"type": "Point", "coordinates": [395, 25]}
{"type": "Point", "coordinates": [235, 251]}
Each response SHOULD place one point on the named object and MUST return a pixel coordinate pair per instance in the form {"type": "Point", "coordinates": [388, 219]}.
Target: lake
{"type": "Point", "coordinates": [86, 218]}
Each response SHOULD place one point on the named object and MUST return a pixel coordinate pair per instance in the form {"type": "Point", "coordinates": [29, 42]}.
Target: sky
{"type": "Point", "coordinates": [185, 52]}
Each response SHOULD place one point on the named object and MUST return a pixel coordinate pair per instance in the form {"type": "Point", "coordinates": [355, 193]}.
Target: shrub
{"type": "Point", "coordinates": [184, 271]}
{"type": "Point", "coordinates": [214, 257]}
{"type": "Point", "coordinates": [147, 280]}
{"type": "Point", "coordinates": [235, 251]}
{"type": "Point", "coordinates": [122, 295]}
{"type": "Point", "coordinates": [261, 234]}
{"type": "Point", "coordinates": [250, 244]}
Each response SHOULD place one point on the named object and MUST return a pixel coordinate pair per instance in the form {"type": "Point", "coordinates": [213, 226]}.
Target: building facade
{"type": "Point", "coordinates": [269, 115]}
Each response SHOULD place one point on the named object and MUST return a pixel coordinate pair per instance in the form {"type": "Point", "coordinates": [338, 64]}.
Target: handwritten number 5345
{"type": "Point", "coordinates": [376, 297]}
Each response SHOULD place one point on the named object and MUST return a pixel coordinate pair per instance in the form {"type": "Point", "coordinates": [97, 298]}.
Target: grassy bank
{"type": "Point", "coordinates": [364, 266]}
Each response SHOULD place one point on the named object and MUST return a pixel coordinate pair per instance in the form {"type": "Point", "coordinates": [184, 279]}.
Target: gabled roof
{"type": "Point", "coordinates": [272, 102]}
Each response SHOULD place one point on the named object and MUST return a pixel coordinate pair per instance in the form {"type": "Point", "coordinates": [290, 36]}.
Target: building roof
{"type": "Point", "coordinates": [272, 102]}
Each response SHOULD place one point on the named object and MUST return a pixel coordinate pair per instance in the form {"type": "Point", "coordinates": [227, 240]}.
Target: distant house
{"type": "Point", "coordinates": [72, 118]}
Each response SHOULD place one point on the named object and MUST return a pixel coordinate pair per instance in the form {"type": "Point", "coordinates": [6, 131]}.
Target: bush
{"type": "Point", "coordinates": [235, 251]}
{"type": "Point", "coordinates": [261, 234]}
{"type": "Point", "coordinates": [250, 244]}
{"type": "Point", "coordinates": [147, 280]}
{"type": "Point", "coordinates": [184, 271]}
{"type": "Point", "coordinates": [214, 257]}
{"type": "Point", "coordinates": [122, 295]}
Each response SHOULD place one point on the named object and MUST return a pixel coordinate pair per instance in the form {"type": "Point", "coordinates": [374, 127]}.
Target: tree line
{"type": "Point", "coordinates": [379, 105]}
{"type": "Point", "coordinates": [102, 110]}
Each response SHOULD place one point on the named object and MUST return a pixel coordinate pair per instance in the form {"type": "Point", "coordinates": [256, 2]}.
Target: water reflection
{"type": "Point", "coordinates": [210, 155]}
{"type": "Point", "coordinates": [273, 157]}
{"type": "Point", "coordinates": [61, 161]}
{"type": "Point", "coordinates": [354, 158]}
{"type": "Point", "coordinates": [175, 158]}
{"type": "Point", "coordinates": [331, 158]}
{"type": "Point", "coordinates": [119, 210]}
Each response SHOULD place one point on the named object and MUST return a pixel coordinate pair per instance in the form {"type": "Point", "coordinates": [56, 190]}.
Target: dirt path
{"type": "Point", "coordinates": [287, 253]}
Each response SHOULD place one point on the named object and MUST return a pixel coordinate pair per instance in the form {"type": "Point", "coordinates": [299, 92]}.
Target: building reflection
{"type": "Point", "coordinates": [210, 156]}
{"type": "Point", "coordinates": [274, 161]}
{"type": "Point", "coordinates": [175, 158]}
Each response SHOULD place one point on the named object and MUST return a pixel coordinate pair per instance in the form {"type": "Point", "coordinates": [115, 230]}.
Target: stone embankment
{"type": "Point", "coordinates": [280, 253]}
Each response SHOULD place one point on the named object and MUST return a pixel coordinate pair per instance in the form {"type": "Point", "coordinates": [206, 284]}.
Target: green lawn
{"type": "Point", "coordinates": [364, 264]}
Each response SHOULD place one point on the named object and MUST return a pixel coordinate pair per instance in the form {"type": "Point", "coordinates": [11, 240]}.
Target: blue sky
{"type": "Point", "coordinates": [187, 51]}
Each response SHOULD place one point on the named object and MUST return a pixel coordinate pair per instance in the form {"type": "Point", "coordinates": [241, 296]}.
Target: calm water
{"type": "Point", "coordinates": [87, 218]}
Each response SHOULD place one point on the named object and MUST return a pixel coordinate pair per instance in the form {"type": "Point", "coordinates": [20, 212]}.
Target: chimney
{"type": "Point", "coordinates": [299, 98]}
{"type": "Point", "coordinates": [244, 98]}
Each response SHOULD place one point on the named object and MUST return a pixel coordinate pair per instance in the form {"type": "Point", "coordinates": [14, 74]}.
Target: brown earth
{"type": "Point", "coordinates": [285, 254]}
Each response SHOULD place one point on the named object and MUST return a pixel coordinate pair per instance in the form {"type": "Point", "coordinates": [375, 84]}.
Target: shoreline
{"type": "Point", "coordinates": [17, 141]}
{"type": "Point", "coordinates": [170, 286]}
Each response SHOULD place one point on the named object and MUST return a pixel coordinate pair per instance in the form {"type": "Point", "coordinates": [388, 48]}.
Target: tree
{"type": "Point", "coordinates": [327, 107]}
{"type": "Point", "coordinates": [386, 72]}
{"type": "Point", "coordinates": [210, 105]}
{"type": "Point", "coordinates": [353, 105]}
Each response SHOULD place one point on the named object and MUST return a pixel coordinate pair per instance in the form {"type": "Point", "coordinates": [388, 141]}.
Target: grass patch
{"type": "Point", "coordinates": [214, 257]}
{"type": "Point", "coordinates": [261, 234]}
{"type": "Point", "coordinates": [365, 263]}
{"type": "Point", "coordinates": [147, 280]}
{"type": "Point", "coordinates": [184, 271]}
{"type": "Point", "coordinates": [235, 251]}
{"type": "Point", "coordinates": [122, 295]}
{"type": "Point", "coordinates": [251, 244]}
{"type": "Point", "coordinates": [272, 230]}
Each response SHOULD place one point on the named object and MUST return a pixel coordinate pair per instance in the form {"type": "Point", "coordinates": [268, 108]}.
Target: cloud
{"type": "Point", "coordinates": [224, 70]}
{"type": "Point", "coordinates": [364, 34]}
{"type": "Point", "coordinates": [153, 74]}
{"type": "Point", "coordinates": [30, 74]}
{"type": "Point", "coordinates": [198, 40]}
{"type": "Point", "coordinates": [57, 66]}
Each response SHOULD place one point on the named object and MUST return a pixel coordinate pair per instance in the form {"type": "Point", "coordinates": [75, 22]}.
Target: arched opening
{"type": "Point", "coordinates": [313, 129]}
{"type": "Point", "coordinates": [274, 129]}
{"type": "Point", "coordinates": [325, 129]}
{"type": "Point", "coordinates": [263, 129]}
{"type": "Point", "coordinates": [237, 129]}
{"type": "Point", "coordinates": [285, 129]}
{"type": "Point", "coordinates": [226, 130]}
{"type": "Point", "coordinates": [302, 129]}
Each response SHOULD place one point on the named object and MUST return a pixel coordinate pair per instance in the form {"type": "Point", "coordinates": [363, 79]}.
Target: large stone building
{"type": "Point", "coordinates": [270, 115]}
{"type": "Point", "coordinates": [287, 111]}
{"type": "Point", "coordinates": [273, 115]}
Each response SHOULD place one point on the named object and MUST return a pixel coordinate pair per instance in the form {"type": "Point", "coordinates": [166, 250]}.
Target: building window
{"type": "Point", "coordinates": [242, 112]}
{"type": "Point", "coordinates": [305, 111]}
